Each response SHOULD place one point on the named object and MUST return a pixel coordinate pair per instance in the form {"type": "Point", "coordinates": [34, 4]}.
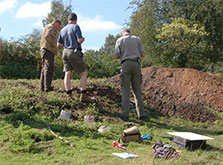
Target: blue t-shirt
{"type": "Point", "coordinates": [68, 36]}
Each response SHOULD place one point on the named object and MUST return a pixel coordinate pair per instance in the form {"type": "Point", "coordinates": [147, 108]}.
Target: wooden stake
{"type": "Point", "coordinates": [59, 137]}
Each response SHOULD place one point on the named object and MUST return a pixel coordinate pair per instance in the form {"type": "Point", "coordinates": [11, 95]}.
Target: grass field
{"type": "Point", "coordinates": [25, 138]}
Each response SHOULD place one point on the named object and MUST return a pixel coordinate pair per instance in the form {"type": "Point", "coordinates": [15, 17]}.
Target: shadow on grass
{"type": "Point", "coordinates": [212, 148]}
{"type": "Point", "coordinates": [58, 127]}
{"type": "Point", "coordinates": [41, 124]}
{"type": "Point", "coordinates": [184, 128]}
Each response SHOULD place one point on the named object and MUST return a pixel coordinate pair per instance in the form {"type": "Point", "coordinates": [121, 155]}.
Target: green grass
{"type": "Point", "coordinates": [25, 139]}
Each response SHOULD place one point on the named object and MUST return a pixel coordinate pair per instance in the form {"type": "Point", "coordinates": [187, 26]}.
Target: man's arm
{"type": "Point", "coordinates": [79, 36]}
{"type": "Point", "coordinates": [117, 52]}
{"type": "Point", "coordinates": [60, 41]}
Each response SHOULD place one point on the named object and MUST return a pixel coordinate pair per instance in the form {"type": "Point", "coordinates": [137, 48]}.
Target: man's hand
{"type": "Point", "coordinates": [59, 45]}
{"type": "Point", "coordinates": [117, 57]}
{"type": "Point", "coordinates": [81, 40]}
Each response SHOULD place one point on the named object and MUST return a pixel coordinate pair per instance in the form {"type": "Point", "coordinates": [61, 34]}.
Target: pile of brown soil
{"type": "Point", "coordinates": [182, 93]}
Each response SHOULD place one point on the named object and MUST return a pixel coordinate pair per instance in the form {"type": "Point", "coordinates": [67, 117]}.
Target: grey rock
{"type": "Point", "coordinates": [65, 115]}
{"type": "Point", "coordinates": [89, 119]}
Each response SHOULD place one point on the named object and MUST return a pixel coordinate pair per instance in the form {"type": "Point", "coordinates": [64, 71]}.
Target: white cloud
{"type": "Point", "coordinates": [7, 4]}
{"type": "Point", "coordinates": [29, 10]}
{"type": "Point", "coordinates": [97, 24]}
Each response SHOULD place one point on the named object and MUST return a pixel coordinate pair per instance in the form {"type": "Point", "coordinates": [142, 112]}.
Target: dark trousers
{"type": "Point", "coordinates": [47, 71]}
{"type": "Point", "coordinates": [131, 75]}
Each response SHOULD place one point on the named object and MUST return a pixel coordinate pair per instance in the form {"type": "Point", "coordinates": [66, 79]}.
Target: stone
{"type": "Point", "coordinates": [103, 128]}
{"type": "Point", "coordinates": [89, 119]}
{"type": "Point", "coordinates": [65, 115]}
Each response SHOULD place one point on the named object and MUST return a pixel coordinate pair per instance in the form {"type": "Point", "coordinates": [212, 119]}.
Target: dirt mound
{"type": "Point", "coordinates": [182, 93]}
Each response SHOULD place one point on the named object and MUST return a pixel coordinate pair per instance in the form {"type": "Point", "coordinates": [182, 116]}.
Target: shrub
{"type": "Point", "coordinates": [24, 139]}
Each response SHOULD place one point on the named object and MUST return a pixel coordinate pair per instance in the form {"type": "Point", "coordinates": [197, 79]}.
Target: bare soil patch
{"type": "Point", "coordinates": [182, 93]}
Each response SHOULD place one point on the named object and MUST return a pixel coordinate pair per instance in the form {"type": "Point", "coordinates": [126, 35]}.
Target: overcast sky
{"type": "Point", "coordinates": [97, 18]}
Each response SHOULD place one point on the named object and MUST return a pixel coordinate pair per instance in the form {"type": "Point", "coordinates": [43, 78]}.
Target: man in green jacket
{"type": "Point", "coordinates": [129, 49]}
{"type": "Point", "coordinates": [48, 49]}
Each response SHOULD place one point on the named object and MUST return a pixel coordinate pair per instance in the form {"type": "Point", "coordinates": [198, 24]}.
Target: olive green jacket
{"type": "Point", "coordinates": [49, 39]}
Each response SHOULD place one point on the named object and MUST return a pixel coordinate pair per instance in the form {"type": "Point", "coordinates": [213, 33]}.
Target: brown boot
{"type": "Point", "coordinates": [84, 97]}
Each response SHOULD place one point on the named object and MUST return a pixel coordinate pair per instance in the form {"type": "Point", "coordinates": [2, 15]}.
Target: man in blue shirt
{"type": "Point", "coordinates": [70, 38]}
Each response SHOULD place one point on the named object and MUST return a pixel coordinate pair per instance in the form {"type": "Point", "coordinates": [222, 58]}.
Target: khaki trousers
{"type": "Point", "coordinates": [131, 75]}
{"type": "Point", "coordinates": [47, 71]}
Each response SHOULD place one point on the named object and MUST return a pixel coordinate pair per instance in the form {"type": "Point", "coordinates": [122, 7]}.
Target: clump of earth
{"type": "Point", "coordinates": [184, 93]}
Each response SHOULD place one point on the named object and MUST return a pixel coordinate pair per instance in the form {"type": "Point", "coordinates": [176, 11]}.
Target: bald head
{"type": "Point", "coordinates": [125, 32]}
{"type": "Point", "coordinates": [57, 24]}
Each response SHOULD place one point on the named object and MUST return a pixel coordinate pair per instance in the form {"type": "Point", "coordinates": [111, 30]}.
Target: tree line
{"type": "Point", "coordinates": [185, 33]}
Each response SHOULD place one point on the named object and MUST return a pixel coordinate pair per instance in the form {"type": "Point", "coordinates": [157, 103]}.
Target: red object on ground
{"type": "Point", "coordinates": [118, 145]}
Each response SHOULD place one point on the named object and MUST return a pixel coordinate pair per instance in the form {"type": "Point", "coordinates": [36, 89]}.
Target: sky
{"type": "Point", "coordinates": [96, 18]}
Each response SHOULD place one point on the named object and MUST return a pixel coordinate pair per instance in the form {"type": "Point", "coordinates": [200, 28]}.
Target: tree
{"type": "Point", "coordinates": [109, 46]}
{"type": "Point", "coordinates": [151, 15]}
{"type": "Point", "coordinates": [208, 13]}
{"type": "Point", "coordinates": [183, 43]}
{"type": "Point", "coordinates": [100, 65]}
{"type": "Point", "coordinates": [60, 11]}
{"type": "Point", "coordinates": [20, 58]}
{"type": "Point", "coordinates": [142, 24]}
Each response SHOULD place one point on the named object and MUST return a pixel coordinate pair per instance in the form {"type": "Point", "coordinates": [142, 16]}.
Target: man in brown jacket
{"type": "Point", "coordinates": [48, 49]}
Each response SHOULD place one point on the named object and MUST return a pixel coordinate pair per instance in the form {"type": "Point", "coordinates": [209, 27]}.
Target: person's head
{"type": "Point", "coordinates": [57, 24]}
{"type": "Point", "coordinates": [125, 32]}
{"type": "Point", "coordinates": [72, 18]}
